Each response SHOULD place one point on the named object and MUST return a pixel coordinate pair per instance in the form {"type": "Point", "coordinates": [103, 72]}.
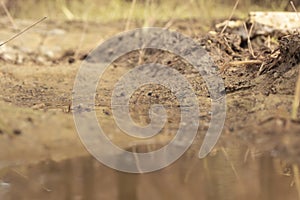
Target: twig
{"type": "Point", "coordinates": [23, 31]}
{"type": "Point", "coordinates": [296, 98]}
{"type": "Point", "coordinates": [141, 55]}
{"type": "Point", "coordinates": [295, 9]}
{"type": "Point", "coordinates": [231, 15]}
{"type": "Point", "coordinates": [245, 62]}
{"type": "Point", "coordinates": [261, 69]}
{"type": "Point", "coordinates": [169, 23]}
{"type": "Point", "coordinates": [249, 39]}
{"type": "Point", "coordinates": [239, 63]}
{"type": "Point", "coordinates": [9, 15]}
{"type": "Point", "coordinates": [67, 12]}
{"type": "Point", "coordinates": [246, 155]}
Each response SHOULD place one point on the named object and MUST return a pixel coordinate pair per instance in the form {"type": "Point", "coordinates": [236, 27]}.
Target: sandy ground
{"type": "Point", "coordinates": [37, 74]}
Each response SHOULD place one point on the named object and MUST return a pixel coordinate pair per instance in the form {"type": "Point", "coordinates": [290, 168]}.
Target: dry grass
{"type": "Point", "coordinates": [105, 10]}
{"type": "Point", "coordinates": [231, 15]}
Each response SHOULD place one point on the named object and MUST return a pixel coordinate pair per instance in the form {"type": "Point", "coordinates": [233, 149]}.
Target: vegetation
{"type": "Point", "coordinates": [107, 10]}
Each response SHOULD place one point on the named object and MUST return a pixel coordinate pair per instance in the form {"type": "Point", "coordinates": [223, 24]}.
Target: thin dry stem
{"type": "Point", "coordinates": [249, 39]}
{"type": "Point", "coordinates": [12, 21]}
{"type": "Point", "coordinates": [295, 9]}
{"type": "Point", "coordinates": [245, 62]}
{"type": "Point", "coordinates": [240, 63]}
{"type": "Point", "coordinates": [296, 98]}
{"type": "Point", "coordinates": [169, 24]}
{"type": "Point", "coordinates": [23, 31]}
{"type": "Point", "coordinates": [66, 10]}
{"type": "Point", "coordinates": [231, 15]}
{"type": "Point", "coordinates": [246, 155]}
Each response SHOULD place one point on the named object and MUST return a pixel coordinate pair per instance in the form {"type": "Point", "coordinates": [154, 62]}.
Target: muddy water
{"type": "Point", "coordinates": [226, 174]}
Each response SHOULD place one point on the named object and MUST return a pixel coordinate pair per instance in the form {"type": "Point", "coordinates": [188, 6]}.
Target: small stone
{"type": "Point", "coordinates": [29, 119]}
{"type": "Point", "coordinates": [17, 131]}
{"type": "Point", "coordinates": [4, 184]}
{"type": "Point", "coordinates": [71, 60]}
{"type": "Point", "coordinates": [38, 106]}
{"type": "Point", "coordinates": [276, 75]}
{"type": "Point", "coordinates": [106, 112]}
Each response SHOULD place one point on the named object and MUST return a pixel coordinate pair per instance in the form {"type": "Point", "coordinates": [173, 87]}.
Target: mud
{"type": "Point", "coordinates": [85, 178]}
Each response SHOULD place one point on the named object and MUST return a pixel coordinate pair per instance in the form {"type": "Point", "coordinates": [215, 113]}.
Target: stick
{"type": "Point", "coordinates": [295, 9]}
{"type": "Point", "coordinates": [9, 15]}
{"type": "Point", "coordinates": [296, 98]}
{"type": "Point", "coordinates": [245, 62]}
{"type": "Point", "coordinates": [239, 63]}
{"type": "Point", "coordinates": [23, 31]}
{"type": "Point", "coordinates": [231, 15]}
{"type": "Point", "coordinates": [249, 39]}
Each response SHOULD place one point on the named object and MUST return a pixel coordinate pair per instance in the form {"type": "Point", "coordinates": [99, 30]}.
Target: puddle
{"type": "Point", "coordinates": [227, 174]}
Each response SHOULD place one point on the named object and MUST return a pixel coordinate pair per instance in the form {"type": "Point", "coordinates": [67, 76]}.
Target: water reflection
{"type": "Point", "coordinates": [224, 175]}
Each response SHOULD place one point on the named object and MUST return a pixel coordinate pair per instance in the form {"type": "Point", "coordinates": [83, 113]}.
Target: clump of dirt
{"type": "Point", "coordinates": [260, 75]}
{"type": "Point", "coordinates": [223, 48]}
{"type": "Point", "coordinates": [287, 57]}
